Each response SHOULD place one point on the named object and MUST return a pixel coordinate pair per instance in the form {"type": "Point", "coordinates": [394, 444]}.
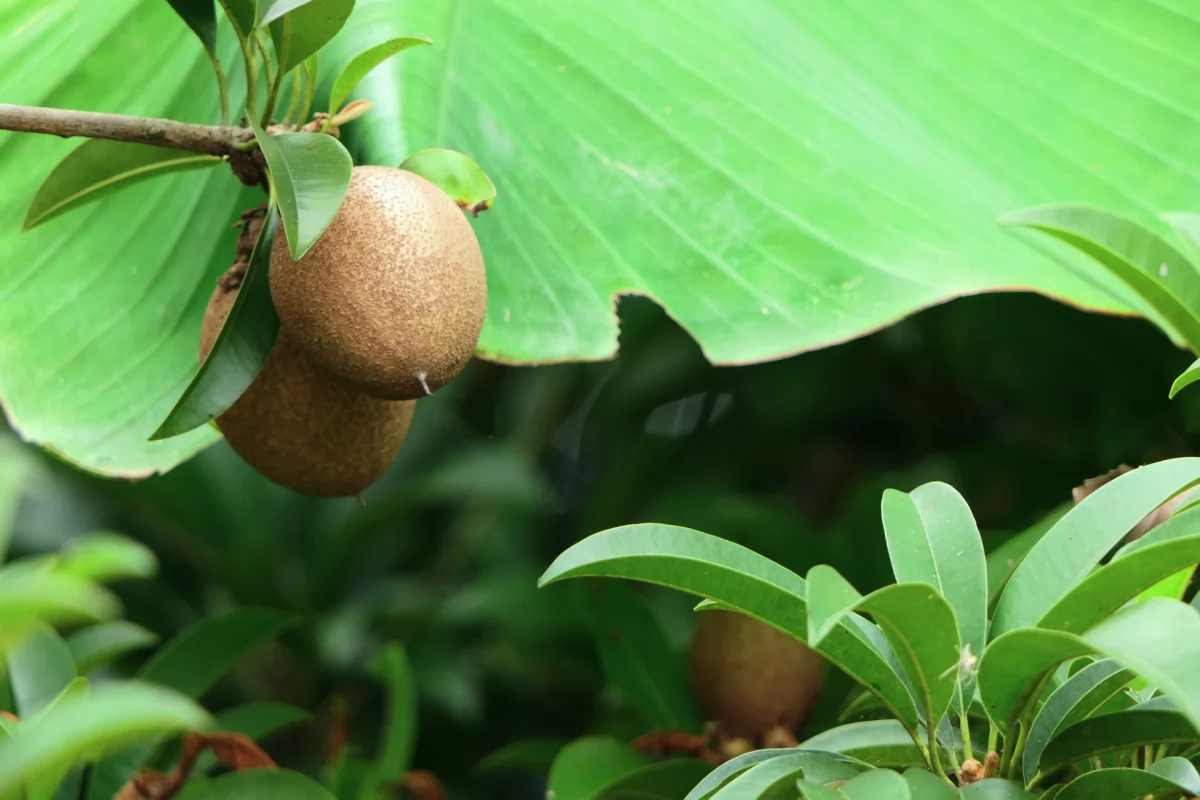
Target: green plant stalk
{"type": "Point", "coordinates": [274, 79]}
{"type": "Point", "coordinates": [1013, 754]}
{"type": "Point", "coordinates": [294, 103]}
{"type": "Point", "coordinates": [964, 725]}
{"type": "Point", "coordinates": [251, 74]}
{"type": "Point", "coordinates": [935, 753]}
{"type": "Point", "coordinates": [993, 736]}
{"type": "Point", "coordinates": [1148, 755]}
{"type": "Point", "coordinates": [222, 87]}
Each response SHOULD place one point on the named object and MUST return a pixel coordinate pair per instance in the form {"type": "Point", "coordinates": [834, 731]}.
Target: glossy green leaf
{"type": "Point", "coordinates": [363, 63]}
{"type": "Point", "coordinates": [1116, 784]}
{"type": "Point", "coordinates": [1187, 378]}
{"type": "Point", "coordinates": [241, 348]}
{"type": "Point", "coordinates": [456, 175]}
{"type": "Point", "coordinates": [39, 670]}
{"type": "Point", "coordinates": [243, 14]}
{"type": "Point", "coordinates": [875, 784]}
{"type": "Point", "coordinates": [107, 719]}
{"type": "Point", "coordinates": [533, 756]}
{"type": "Point", "coordinates": [1004, 560]}
{"type": "Point", "coordinates": [256, 784]}
{"type": "Point", "coordinates": [197, 657]}
{"type": "Point", "coordinates": [304, 27]}
{"type": "Point", "coordinates": [775, 779]}
{"type": "Point", "coordinates": [1160, 641]}
{"type": "Point", "coordinates": [1179, 770]}
{"type": "Point", "coordinates": [392, 668]}
{"type": "Point", "coordinates": [31, 596]}
{"type": "Point", "coordinates": [638, 659]}
{"type": "Point", "coordinates": [310, 173]}
{"type": "Point", "coordinates": [104, 557]}
{"type": "Point", "coordinates": [917, 621]}
{"type": "Point", "coordinates": [821, 763]}
{"type": "Point", "coordinates": [720, 570]}
{"type": "Point", "coordinates": [1147, 263]}
{"type": "Point", "coordinates": [819, 791]}
{"type": "Point", "coordinates": [1083, 693]}
{"type": "Point", "coordinates": [1016, 664]}
{"type": "Point", "coordinates": [881, 743]}
{"type": "Point", "coordinates": [97, 168]}
{"type": "Point", "coordinates": [52, 777]}
{"type": "Point", "coordinates": [995, 789]}
{"type": "Point", "coordinates": [924, 785]}
{"type": "Point", "coordinates": [932, 538]}
{"type": "Point", "coordinates": [662, 780]}
{"type": "Point", "coordinates": [1110, 733]}
{"type": "Point", "coordinates": [865, 705]}
{"type": "Point", "coordinates": [585, 767]}
{"type": "Point", "coordinates": [271, 10]}
{"type": "Point", "coordinates": [201, 17]}
{"type": "Point", "coordinates": [1073, 547]}
{"type": "Point", "coordinates": [1113, 585]}
{"type": "Point", "coordinates": [99, 645]}
{"type": "Point", "coordinates": [255, 720]}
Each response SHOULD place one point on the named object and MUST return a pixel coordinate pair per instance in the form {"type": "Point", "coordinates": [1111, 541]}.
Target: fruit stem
{"type": "Point", "coordinates": [217, 140]}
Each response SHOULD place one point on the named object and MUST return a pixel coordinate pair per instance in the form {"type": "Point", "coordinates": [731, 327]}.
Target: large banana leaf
{"type": "Point", "coordinates": [779, 175]}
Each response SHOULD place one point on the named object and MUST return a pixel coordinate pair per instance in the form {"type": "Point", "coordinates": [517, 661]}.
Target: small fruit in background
{"type": "Point", "coordinates": [391, 299]}
{"type": "Point", "coordinates": [300, 428]}
{"type": "Point", "coordinates": [750, 678]}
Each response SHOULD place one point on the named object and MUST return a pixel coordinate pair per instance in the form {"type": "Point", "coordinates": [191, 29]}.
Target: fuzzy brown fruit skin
{"type": "Point", "coordinates": [301, 429]}
{"type": "Point", "coordinates": [391, 298]}
{"type": "Point", "coordinates": [749, 677]}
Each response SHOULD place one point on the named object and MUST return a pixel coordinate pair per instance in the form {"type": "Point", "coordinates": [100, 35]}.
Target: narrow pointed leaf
{"type": "Point", "coordinates": [392, 668]}
{"type": "Point", "coordinates": [1083, 693]}
{"type": "Point", "coordinates": [259, 784]}
{"type": "Point", "coordinates": [99, 645]}
{"type": "Point", "coordinates": [39, 670]}
{"type": "Point", "coordinates": [363, 63]}
{"type": "Point", "coordinates": [638, 659]}
{"type": "Point", "coordinates": [310, 173]}
{"type": "Point", "coordinates": [456, 175]}
{"type": "Point", "coordinates": [830, 598]}
{"type": "Point", "coordinates": [243, 14]}
{"type": "Point", "coordinates": [876, 784]}
{"type": "Point", "coordinates": [669, 780]}
{"type": "Point", "coordinates": [272, 10]}
{"type": "Point", "coordinates": [1187, 378]}
{"type": "Point", "coordinates": [1110, 733]}
{"type": "Point", "coordinates": [241, 348]}
{"type": "Point", "coordinates": [1073, 547]}
{"type": "Point", "coordinates": [1004, 560]}
{"type": "Point", "coordinates": [775, 779]}
{"type": "Point", "coordinates": [304, 27]}
{"type": "Point", "coordinates": [717, 569]}
{"type": "Point", "coordinates": [109, 718]}
{"type": "Point", "coordinates": [31, 596]}
{"type": "Point", "coordinates": [98, 167]}
{"type": "Point", "coordinates": [104, 557]}
{"type": "Point", "coordinates": [1149, 265]}
{"type": "Point", "coordinates": [45, 785]}
{"type": "Point", "coordinates": [881, 743]}
{"type": "Point", "coordinates": [1015, 664]}
{"type": "Point", "coordinates": [201, 17]}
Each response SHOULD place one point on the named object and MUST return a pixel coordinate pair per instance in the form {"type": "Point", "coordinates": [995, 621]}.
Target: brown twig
{"type": "Point", "coordinates": [216, 140]}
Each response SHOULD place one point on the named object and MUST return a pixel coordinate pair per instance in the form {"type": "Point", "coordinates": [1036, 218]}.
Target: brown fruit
{"type": "Point", "coordinates": [749, 677]}
{"type": "Point", "coordinates": [391, 298]}
{"type": "Point", "coordinates": [302, 429]}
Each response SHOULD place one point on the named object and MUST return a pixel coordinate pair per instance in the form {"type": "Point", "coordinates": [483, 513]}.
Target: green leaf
{"type": "Point", "coordinates": [30, 596]}
{"type": "Point", "coordinates": [1081, 695]}
{"type": "Point", "coordinates": [730, 769]}
{"type": "Point", "coordinates": [256, 784]}
{"type": "Point", "coordinates": [995, 789]}
{"type": "Point", "coordinates": [255, 720]}
{"type": "Point", "coordinates": [1187, 378]}
{"type": "Point", "coordinates": [392, 668]}
{"type": "Point", "coordinates": [51, 778]}
{"type": "Point", "coordinates": [274, 9]}
{"type": "Point", "coordinates": [39, 670]}
{"type": "Point", "coordinates": [100, 645]}
{"type": "Point", "coordinates": [197, 657]}
{"type": "Point", "coordinates": [456, 175]}
{"type": "Point", "coordinates": [637, 658]}
{"type": "Point", "coordinates": [1116, 784]}
{"type": "Point", "coordinates": [363, 63]}
{"type": "Point", "coordinates": [240, 351]}
{"type": "Point", "coordinates": [1003, 561]}
{"type": "Point", "coordinates": [1160, 641]}
{"type": "Point", "coordinates": [98, 168]}
{"type": "Point", "coordinates": [1113, 585]}
{"type": "Point", "coordinates": [917, 621]}
{"type": "Point", "coordinates": [1149, 265]}
{"type": "Point", "coordinates": [830, 598]}
{"type": "Point", "coordinates": [201, 17]}
{"type": "Point", "coordinates": [881, 743]}
{"type": "Point", "coordinates": [1110, 733]}
{"type": "Point", "coordinates": [775, 779]}
{"type": "Point", "coordinates": [1016, 664]}
{"type": "Point", "coordinates": [243, 14]}
{"type": "Point", "coordinates": [585, 767]}
{"type": "Point", "coordinates": [1179, 770]}
{"type": "Point", "coordinates": [304, 27]}
{"type": "Point", "coordinates": [104, 557]}
{"type": "Point", "coordinates": [1069, 551]}
{"type": "Point", "coordinates": [875, 784]}
{"type": "Point", "coordinates": [663, 780]}
{"type": "Point", "coordinates": [310, 173]}
{"type": "Point", "coordinates": [924, 785]}
{"type": "Point", "coordinates": [720, 570]}
{"type": "Point", "coordinates": [15, 468]}
{"type": "Point", "coordinates": [532, 756]}
{"type": "Point", "coordinates": [932, 538]}
{"type": "Point", "coordinates": [818, 791]}
{"type": "Point", "coordinates": [107, 719]}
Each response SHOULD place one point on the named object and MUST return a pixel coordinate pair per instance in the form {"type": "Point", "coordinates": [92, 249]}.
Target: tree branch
{"type": "Point", "coordinates": [217, 140]}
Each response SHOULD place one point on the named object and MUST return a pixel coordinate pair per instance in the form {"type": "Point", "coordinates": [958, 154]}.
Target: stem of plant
{"type": "Point", "coordinates": [310, 88]}
{"type": "Point", "coordinates": [1016, 752]}
{"type": "Point", "coordinates": [993, 737]}
{"type": "Point", "coordinates": [216, 140]}
{"type": "Point", "coordinates": [251, 75]}
{"type": "Point", "coordinates": [964, 725]}
{"type": "Point", "coordinates": [934, 751]}
{"type": "Point", "coordinates": [294, 103]}
{"type": "Point", "coordinates": [222, 88]}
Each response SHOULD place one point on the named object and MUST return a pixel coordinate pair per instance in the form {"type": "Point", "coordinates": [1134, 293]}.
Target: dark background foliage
{"type": "Point", "coordinates": [1010, 398]}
